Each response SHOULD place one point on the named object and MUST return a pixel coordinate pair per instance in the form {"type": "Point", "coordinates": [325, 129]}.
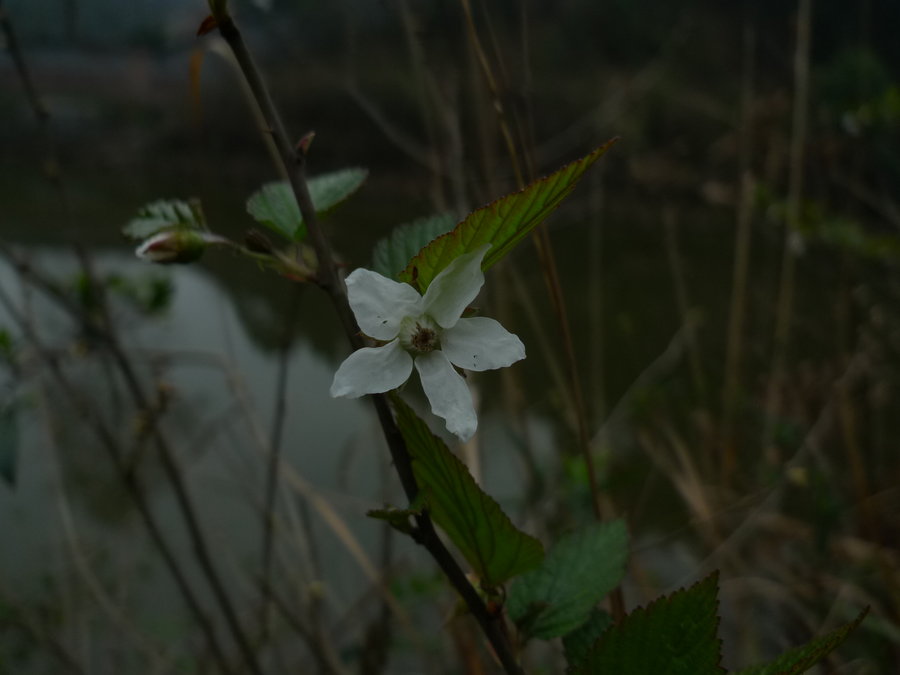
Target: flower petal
{"type": "Point", "coordinates": [372, 370]}
{"type": "Point", "coordinates": [481, 344]}
{"type": "Point", "coordinates": [455, 287]}
{"type": "Point", "coordinates": [448, 394]}
{"type": "Point", "coordinates": [380, 304]}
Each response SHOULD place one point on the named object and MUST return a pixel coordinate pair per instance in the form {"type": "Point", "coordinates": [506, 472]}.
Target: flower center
{"type": "Point", "coordinates": [420, 335]}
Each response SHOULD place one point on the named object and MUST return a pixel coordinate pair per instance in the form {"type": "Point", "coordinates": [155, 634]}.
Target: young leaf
{"type": "Point", "coordinates": [578, 643]}
{"type": "Point", "coordinates": [675, 635]}
{"type": "Point", "coordinates": [502, 223]}
{"type": "Point", "coordinates": [165, 214]}
{"type": "Point", "coordinates": [330, 189]}
{"type": "Point", "coordinates": [476, 524]}
{"type": "Point", "coordinates": [801, 659]}
{"type": "Point", "coordinates": [583, 566]}
{"type": "Point", "coordinates": [394, 252]}
{"type": "Point", "coordinates": [274, 205]}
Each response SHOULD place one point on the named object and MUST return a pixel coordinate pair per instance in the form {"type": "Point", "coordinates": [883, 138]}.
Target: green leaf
{"type": "Point", "coordinates": [394, 252]}
{"type": "Point", "coordinates": [274, 205]}
{"type": "Point", "coordinates": [801, 659]}
{"type": "Point", "coordinates": [675, 635]}
{"type": "Point", "coordinates": [476, 524]}
{"type": "Point", "coordinates": [330, 189]}
{"type": "Point", "coordinates": [502, 223]}
{"type": "Point", "coordinates": [165, 214]}
{"type": "Point", "coordinates": [578, 643]}
{"type": "Point", "coordinates": [9, 443]}
{"type": "Point", "coordinates": [578, 572]}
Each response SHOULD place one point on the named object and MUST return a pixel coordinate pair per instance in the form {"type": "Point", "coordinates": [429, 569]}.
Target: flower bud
{"type": "Point", "coordinates": [176, 246]}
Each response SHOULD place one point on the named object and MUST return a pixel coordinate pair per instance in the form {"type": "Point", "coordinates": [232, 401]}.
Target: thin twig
{"type": "Point", "coordinates": [48, 644]}
{"type": "Point", "coordinates": [101, 327]}
{"type": "Point", "coordinates": [188, 512]}
{"type": "Point", "coordinates": [670, 225]}
{"type": "Point", "coordinates": [129, 479]}
{"type": "Point", "coordinates": [142, 401]}
{"type": "Point", "coordinates": [328, 660]}
{"type": "Point", "coordinates": [161, 661]}
{"type": "Point", "coordinates": [271, 487]}
{"type": "Point", "coordinates": [785, 302]}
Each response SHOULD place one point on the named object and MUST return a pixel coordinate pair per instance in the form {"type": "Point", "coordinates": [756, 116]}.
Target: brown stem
{"type": "Point", "coordinates": [785, 302]}
{"type": "Point", "coordinates": [330, 281]}
{"type": "Point", "coordinates": [744, 215]}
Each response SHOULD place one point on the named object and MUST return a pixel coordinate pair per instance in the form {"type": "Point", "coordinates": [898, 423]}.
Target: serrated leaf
{"type": "Point", "coordinates": [394, 252]}
{"type": "Point", "coordinates": [275, 206]}
{"type": "Point", "coordinates": [9, 443]}
{"type": "Point", "coordinates": [674, 635]}
{"type": "Point", "coordinates": [165, 214]}
{"type": "Point", "coordinates": [476, 524]}
{"type": "Point", "coordinates": [577, 572]}
{"type": "Point", "coordinates": [578, 643]}
{"type": "Point", "coordinates": [801, 659]}
{"type": "Point", "coordinates": [330, 189]}
{"type": "Point", "coordinates": [502, 223]}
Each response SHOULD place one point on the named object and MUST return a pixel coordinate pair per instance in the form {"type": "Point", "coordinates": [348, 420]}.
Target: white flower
{"type": "Point", "coordinates": [427, 331]}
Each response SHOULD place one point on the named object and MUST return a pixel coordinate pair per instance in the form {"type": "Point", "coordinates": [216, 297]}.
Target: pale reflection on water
{"type": "Point", "coordinates": [67, 512]}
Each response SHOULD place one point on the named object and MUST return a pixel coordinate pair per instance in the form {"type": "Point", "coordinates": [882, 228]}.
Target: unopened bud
{"type": "Point", "coordinates": [304, 143]}
{"type": "Point", "coordinates": [176, 246]}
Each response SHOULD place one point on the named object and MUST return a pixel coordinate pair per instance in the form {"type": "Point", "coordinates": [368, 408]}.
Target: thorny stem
{"type": "Point", "coordinates": [329, 280]}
